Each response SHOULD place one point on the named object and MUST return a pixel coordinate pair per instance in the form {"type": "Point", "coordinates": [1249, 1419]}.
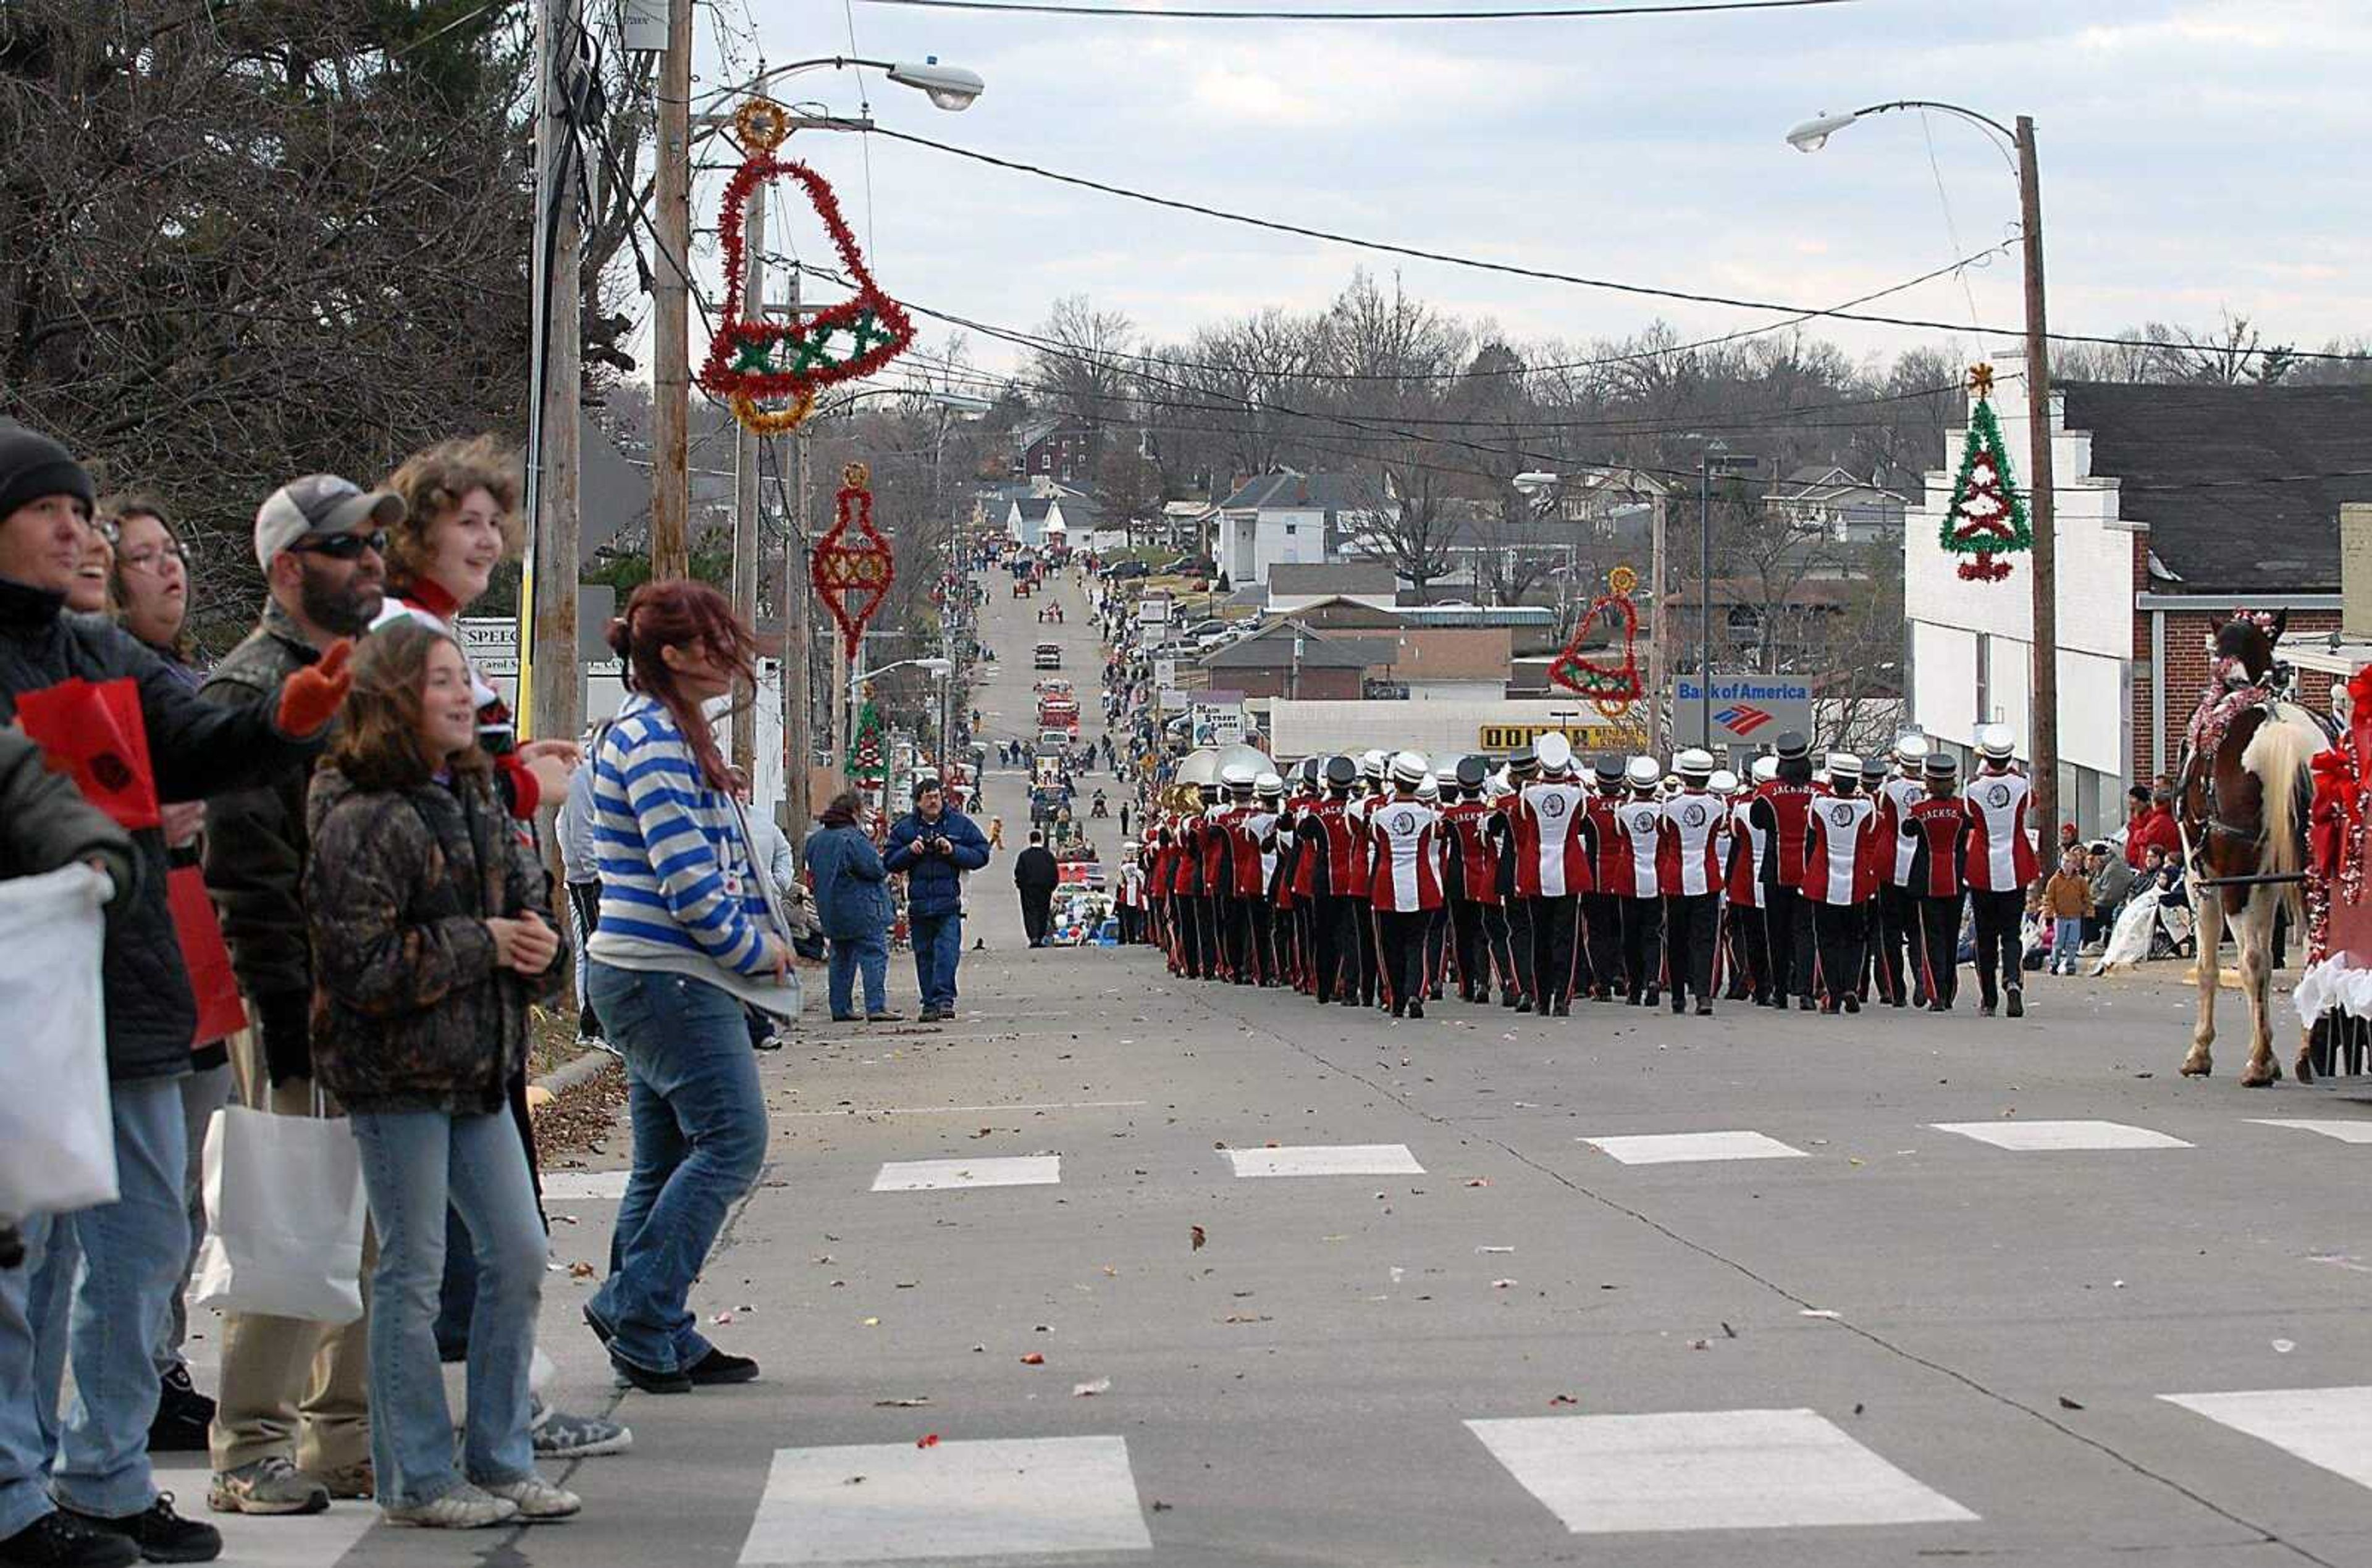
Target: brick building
{"type": "Point", "coordinates": [2176, 505]}
{"type": "Point", "coordinates": [1289, 660]}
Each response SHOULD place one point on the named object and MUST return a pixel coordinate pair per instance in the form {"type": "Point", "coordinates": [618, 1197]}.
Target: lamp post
{"type": "Point", "coordinates": [2043, 718]}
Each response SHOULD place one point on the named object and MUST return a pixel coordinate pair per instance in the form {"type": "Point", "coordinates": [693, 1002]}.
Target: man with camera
{"type": "Point", "coordinates": [935, 846]}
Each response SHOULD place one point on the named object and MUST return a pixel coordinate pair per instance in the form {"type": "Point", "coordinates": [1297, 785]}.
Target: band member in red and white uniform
{"type": "Point", "coordinates": [1842, 859]}
{"type": "Point", "coordinates": [1471, 886]}
{"type": "Point", "coordinates": [1291, 917]}
{"type": "Point", "coordinates": [1406, 885]}
{"type": "Point", "coordinates": [1518, 843]}
{"type": "Point", "coordinates": [1128, 895]}
{"type": "Point", "coordinates": [1937, 828]}
{"type": "Point", "coordinates": [1687, 868]}
{"type": "Point", "coordinates": [1639, 826]}
{"type": "Point", "coordinates": [1778, 816]}
{"type": "Point", "coordinates": [1610, 881]}
{"type": "Point", "coordinates": [1999, 863]}
{"type": "Point", "coordinates": [1373, 788]}
{"type": "Point", "coordinates": [1553, 871]}
{"type": "Point", "coordinates": [1741, 916]}
{"type": "Point", "coordinates": [1436, 935]}
{"type": "Point", "coordinates": [1255, 853]}
{"type": "Point", "coordinates": [1332, 847]}
{"type": "Point", "coordinates": [1897, 909]}
{"type": "Point", "coordinates": [1201, 872]}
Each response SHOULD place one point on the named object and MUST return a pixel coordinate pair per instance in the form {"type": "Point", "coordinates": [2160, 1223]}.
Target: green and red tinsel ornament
{"type": "Point", "coordinates": [853, 568]}
{"type": "Point", "coordinates": [1987, 517]}
{"type": "Point", "coordinates": [771, 371]}
{"type": "Point", "coordinates": [865, 756]}
{"type": "Point", "coordinates": [1611, 687]}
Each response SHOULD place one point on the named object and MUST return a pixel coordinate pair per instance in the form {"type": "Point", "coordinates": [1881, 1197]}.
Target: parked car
{"type": "Point", "coordinates": [1121, 571]}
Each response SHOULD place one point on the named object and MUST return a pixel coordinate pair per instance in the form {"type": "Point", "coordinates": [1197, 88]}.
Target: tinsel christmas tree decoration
{"type": "Point", "coordinates": [1987, 517]}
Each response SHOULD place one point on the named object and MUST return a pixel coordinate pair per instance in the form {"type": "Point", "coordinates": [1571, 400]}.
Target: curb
{"type": "Point", "coordinates": [578, 1070]}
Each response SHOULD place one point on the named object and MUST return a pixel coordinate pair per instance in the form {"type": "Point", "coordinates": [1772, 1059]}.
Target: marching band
{"type": "Point", "coordinates": [1387, 881]}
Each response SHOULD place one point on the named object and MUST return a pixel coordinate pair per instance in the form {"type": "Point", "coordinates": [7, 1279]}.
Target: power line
{"type": "Point", "coordinates": [1512, 268]}
{"type": "Point", "coordinates": [1544, 13]}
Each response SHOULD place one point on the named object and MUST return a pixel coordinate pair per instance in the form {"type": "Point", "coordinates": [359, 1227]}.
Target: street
{"type": "Point", "coordinates": [1120, 1268]}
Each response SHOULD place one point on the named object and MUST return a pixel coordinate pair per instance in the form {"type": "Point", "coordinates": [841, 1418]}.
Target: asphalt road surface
{"type": "Point", "coordinates": [1123, 1270]}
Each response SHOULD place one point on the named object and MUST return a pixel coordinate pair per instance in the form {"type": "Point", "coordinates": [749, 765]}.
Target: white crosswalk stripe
{"type": "Point", "coordinates": [988, 1498]}
{"type": "Point", "coordinates": [1672, 1148]}
{"type": "Point", "coordinates": [1706, 1471]}
{"type": "Point", "coordinates": [2329, 1427]}
{"type": "Point", "coordinates": [924, 1175]}
{"type": "Point", "coordinates": [2031, 1137]}
{"type": "Point", "coordinates": [2346, 1131]}
{"type": "Point", "coordinates": [1327, 1159]}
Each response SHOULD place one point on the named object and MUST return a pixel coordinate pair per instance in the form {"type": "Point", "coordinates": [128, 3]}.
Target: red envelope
{"type": "Point", "coordinates": [96, 736]}
{"type": "Point", "coordinates": [220, 1012]}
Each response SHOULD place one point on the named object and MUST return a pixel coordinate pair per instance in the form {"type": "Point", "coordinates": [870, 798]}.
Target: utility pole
{"type": "Point", "coordinates": [798, 642]}
{"type": "Point", "coordinates": [670, 299]}
{"type": "Point", "coordinates": [1659, 665]}
{"type": "Point", "coordinates": [745, 486]}
{"type": "Point", "coordinates": [556, 707]}
{"type": "Point", "coordinates": [1705, 597]}
{"type": "Point", "coordinates": [2044, 711]}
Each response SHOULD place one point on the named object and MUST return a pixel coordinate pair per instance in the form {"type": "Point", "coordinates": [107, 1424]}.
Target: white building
{"type": "Point", "coordinates": [1286, 516]}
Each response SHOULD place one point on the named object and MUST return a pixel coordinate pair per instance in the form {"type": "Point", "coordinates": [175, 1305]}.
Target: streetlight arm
{"type": "Point", "coordinates": [1987, 120]}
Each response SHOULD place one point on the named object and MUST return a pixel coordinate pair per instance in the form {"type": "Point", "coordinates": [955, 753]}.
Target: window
{"type": "Point", "coordinates": [1289, 530]}
{"type": "Point", "coordinates": [1984, 668]}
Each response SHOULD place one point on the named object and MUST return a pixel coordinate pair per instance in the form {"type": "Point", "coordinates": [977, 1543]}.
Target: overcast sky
{"type": "Point", "coordinates": [2197, 156]}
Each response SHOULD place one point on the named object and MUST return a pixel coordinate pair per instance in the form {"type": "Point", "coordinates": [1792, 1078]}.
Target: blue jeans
{"type": "Point", "coordinates": [2066, 940]}
{"type": "Point", "coordinates": [417, 1165]}
{"type": "Point", "coordinates": [850, 955]}
{"type": "Point", "coordinates": [96, 1286]}
{"type": "Point", "coordinates": [938, 946]}
{"type": "Point", "coordinates": [700, 1138]}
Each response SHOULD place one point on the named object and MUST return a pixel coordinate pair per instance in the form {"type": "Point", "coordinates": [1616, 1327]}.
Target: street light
{"type": "Point", "coordinates": [2043, 745]}
{"type": "Point", "coordinates": [951, 87]}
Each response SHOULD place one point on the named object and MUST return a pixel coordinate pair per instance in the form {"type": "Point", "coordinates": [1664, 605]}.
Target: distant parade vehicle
{"type": "Point", "coordinates": [1048, 655]}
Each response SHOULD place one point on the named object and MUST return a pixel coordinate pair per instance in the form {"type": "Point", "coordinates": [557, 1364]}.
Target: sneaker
{"type": "Point", "coordinates": [718, 1367]}
{"type": "Point", "coordinates": [885, 1016]}
{"type": "Point", "coordinates": [649, 1382]}
{"type": "Point", "coordinates": [463, 1508]}
{"type": "Point", "coordinates": [268, 1485]}
{"type": "Point", "coordinates": [561, 1434]}
{"type": "Point", "coordinates": [60, 1539]}
{"type": "Point", "coordinates": [843, 1018]}
{"type": "Point", "coordinates": [2015, 1004]}
{"type": "Point", "coordinates": [354, 1482]}
{"type": "Point", "coordinates": [537, 1501]}
{"type": "Point", "coordinates": [157, 1533]}
{"type": "Point", "coordinates": [182, 1415]}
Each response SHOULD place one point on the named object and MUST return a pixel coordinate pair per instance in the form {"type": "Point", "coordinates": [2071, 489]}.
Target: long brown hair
{"type": "Point", "coordinates": [113, 512]}
{"type": "Point", "coordinates": [680, 612]}
{"type": "Point", "coordinates": [378, 742]}
{"type": "Point", "coordinates": [434, 482]}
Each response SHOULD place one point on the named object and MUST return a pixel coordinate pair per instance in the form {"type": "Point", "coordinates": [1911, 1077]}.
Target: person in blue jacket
{"type": "Point", "coordinates": [935, 846]}
{"type": "Point", "coordinates": [853, 896]}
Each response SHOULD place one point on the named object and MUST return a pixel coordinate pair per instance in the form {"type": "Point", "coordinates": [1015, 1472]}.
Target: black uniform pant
{"type": "Point", "coordinates": [1334, 945]}
{"type": "Point", "coordinates": [1787, 937]}
{"type": "Point", "coordinates": [1236, 936]}
{"type": "Point", "coordinates": [1503, 957]}
{"type": "Point", "coordinates": [1131, 925]}
{"type": "Point", "coordinates": [584, 898]}
{"type": "Point", "coordinates": [1553, 919]}
{"type": "Point", "coordinates": [1603, 913]}
{"type": "Point", "coordinates": [1522, 917]}
{"type": "Point", "coordinates": [1898, 927]}
{"type": "Point", "coordinates": [1938, 948]}
{"type": "Point", "coordinates": [1749, 958]}
{"type": "Point", "coordinates": [1468, 924]}
{"type": "Point", "coordinates": [1400, 940]}
{"type": "Point", "coordinates": [1370, 975]}
{"type": "Point", "coordinates": [1643, 945]}
{"type": "Point", "coordinates": [1437, 948]}
{"type": "Point", "coordinates": [1843, 934]}
{"type": "Point", "coordinates": [1997, 920]}
{"type": "Point", "coordinates": [1263, 941]}
{"type": "Point", "coordinates": [1036, 913]}
{"type": "Point", "coordinates": [1693, 936]}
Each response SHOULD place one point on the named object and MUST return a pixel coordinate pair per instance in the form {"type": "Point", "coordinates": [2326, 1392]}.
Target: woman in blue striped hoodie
{"type": "Point", "coordinates": [686, 936]}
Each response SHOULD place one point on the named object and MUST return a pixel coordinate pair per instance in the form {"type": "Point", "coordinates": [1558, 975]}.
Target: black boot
{"type": "Point", "coordinates": [182, 1416]}
{"type": "Point", "coordinates": [2016, 1005]}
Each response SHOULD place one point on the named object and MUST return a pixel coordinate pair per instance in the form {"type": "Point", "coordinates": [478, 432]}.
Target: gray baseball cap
{"type": "Point", "coordinates": [319, 504]}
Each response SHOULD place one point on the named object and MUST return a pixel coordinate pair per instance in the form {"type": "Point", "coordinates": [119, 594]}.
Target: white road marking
{"type": "Point", "coordinates": [2346, 1131]}
{"type": "Point", "coordinates": [1706, 1471]}
{"type": "Point", "coordinates": [2331, 1427]}
{"type": "Point", "coordinates": [1327, 1159]}
{"type": "Point", "coordinates": [567, 1184]}
{"type": "Point", "coordinates": [894, 1501]}
{"type": "Point", "coordinates": [1667, 1148]}
{"type": "Point", "coordinates": [305, 1540]}
{"type": "Point", "coordinates": [2051, 1135]}
{"type": "Point", "coordinates": [969, 1109]}
{"type": "Point", "coordinates": [924, 1175]}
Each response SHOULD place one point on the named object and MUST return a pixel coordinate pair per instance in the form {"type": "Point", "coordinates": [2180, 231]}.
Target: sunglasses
{"type": "Point", "coordinates": [343, 546]}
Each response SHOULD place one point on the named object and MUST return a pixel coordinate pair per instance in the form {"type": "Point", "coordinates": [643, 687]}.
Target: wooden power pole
{"type": "Point", "coordinates": [556, 703]}
{"type": "Point", "coordinates": [798, 640]}
{"type": "Point", "coordinates": [2041, 508]}
{"type": "Point", "coordinates": [670, 300]}
{"type": "Point", "coordinates": [745, 482]}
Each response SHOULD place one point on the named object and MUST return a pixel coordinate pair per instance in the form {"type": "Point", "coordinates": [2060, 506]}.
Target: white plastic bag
{"type": "Point", "coordinates": [283, 1217]}
{"type": "Point", "coordinates": [57, 1146]}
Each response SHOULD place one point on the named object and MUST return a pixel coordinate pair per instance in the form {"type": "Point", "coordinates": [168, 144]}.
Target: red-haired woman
{"type": "Point", "coordinates": [686, 936]}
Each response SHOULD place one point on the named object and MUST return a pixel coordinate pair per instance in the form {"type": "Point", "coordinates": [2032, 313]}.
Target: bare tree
{"type": "Point", "coordinates": [1085, 368]}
